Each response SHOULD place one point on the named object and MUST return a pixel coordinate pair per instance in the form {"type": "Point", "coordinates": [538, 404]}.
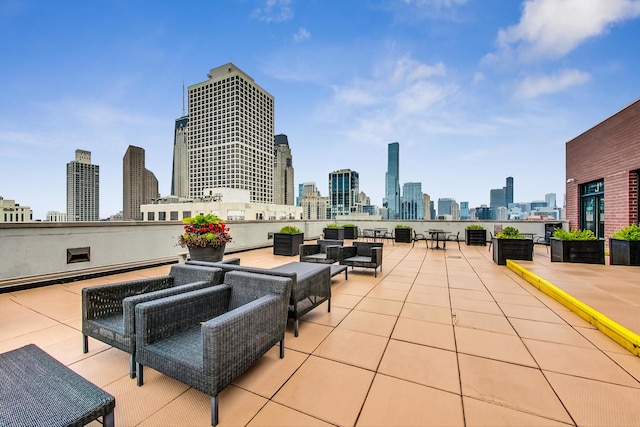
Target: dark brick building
{"type": "Point", "coordinates": [602, 168]}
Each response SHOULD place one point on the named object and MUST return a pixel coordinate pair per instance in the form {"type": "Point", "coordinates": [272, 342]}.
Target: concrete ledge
{"type": "Point", "coordinates": [615, 331]}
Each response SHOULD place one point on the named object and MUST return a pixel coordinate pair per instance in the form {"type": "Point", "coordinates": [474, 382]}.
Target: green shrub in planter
{"type": "Point", "coordinates": [402, 234]}
{"type": "Point", "coordinates": [509, 233]}
{"type": "Point", "coordinates": [474, 227]}
{"type": "Point", "coordinates": [575, 234]}
{"type": "Point", "coordinates": [576, 245]}
{"type": "Point", "coordinates": [475, 235]}
{"type": "Point", "coordinates": [287, 242]}
{"type": "Point", "coordinates": [624, 246]}
{"type": "Point", "coordinates": [289, 229]}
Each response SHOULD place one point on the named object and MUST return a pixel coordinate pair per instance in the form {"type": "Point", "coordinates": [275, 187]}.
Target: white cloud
{"type": "Point", "coordinates": [274, 11]}
{"type": "Point", "coordinates": [534, 86]}
{"type": "Point", "coordinates": [302, 35]}
{"type": "Point", "coordinates": [553, 28]}
{"type": "Point", "coordinates": [409, 70]}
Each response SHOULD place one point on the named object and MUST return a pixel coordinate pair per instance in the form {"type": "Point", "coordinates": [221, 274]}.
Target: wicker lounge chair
{"type": "Point", "coordinates": [311, 284]}
{"type": "Point", "coordinates": [324, 251]}
{"type": "Point", "coordinates": [362, 254]}
{"type": "Point", "coordinates": [209, 337]}
{"type": "Point", "coordinates": [108, 310]}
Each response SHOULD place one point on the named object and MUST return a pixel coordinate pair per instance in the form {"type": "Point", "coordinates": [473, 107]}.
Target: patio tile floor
{"type": "Point", "coordinates": [438, 338]}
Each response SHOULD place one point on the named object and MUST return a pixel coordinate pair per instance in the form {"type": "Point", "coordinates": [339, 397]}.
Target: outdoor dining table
{"type": "Point", "coordinates": [437, 234]}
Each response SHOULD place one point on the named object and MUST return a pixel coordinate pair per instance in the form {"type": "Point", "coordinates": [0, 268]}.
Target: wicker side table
{"type": "Point", "coordinates": [37, 390]}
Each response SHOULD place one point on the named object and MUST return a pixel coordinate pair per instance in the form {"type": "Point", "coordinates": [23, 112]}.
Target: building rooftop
{"type": "Point", "coordinates": [438, 338]}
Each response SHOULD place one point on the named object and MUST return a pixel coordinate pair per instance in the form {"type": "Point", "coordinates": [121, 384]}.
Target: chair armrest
{"type": "Point", "coordinates": [129, 303]}
{"type": "Point", "coordinates": [333, 252]}
{"type": "Point", "coordinates": [247, 287]}
{"type": "Point", "coordinates": [167, 316]}
{"type": "Point", "coordinates": [309, 249]}
{"type": "Point", "coordinates": [348, 251]}
{"type": "Point", "coordinates": [233, 341]}
{"type": "Point", "coordinates": [376, 255]}
{"type": "Point", "coordinates": [183, 274]}
{"type": "Point", "coordinates": [104, 300]}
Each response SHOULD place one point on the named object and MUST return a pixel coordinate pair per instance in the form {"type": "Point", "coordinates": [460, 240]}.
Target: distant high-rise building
{"type": "Point", "coordinates": [282, 172]}
{"type": "Point", "coordinates": [444, 206]}
{"type": "Point", "coordinates": [180, 175]}
{"type": "Point", "coordinates": [314, 206]}
{"type": "Point", "coordinates": [464, 210]}
{"type": "Point", "coordinates": [10, 211]}
{"type": "Point", "coordinates": [483, 212]}
{"type": "Point", "coordinates": [231, 135]}
{"type": "Point", "coordinates": [412, 205]}
{"type": "Point", "coordinates": [139, 185]}
{"type": "Point", "coordinates": [344, 189]}
{"type": "Point", "coordinates": [392, 182]}
{"type": "Point", "coordinates": [508, 191]}
{"type": "Point", "coordinates": [550, 198]}
{"type": "Point", "coordinates": [55, 216]}
{"type": "Point", "coordinates": [83, 188]}
{"type": "Point", "coordinates": [455, 211]}
{"type": "Point", "coordinates": [426, 201]}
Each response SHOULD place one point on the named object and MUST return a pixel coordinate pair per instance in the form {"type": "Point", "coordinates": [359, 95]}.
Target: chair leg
{"type": "Point", "coordinates": [295, 327]}
{"type": "Point", "coordinates": [139, 380]}
{"type": "Point", "coordinates": [85, 344]}
{"type": "Point", "coordinates": [214, 410]}
{"type": "Point", "coordinates": [108, 420]}
{"type": "Point", "coordinates": [132, 366]}
{"type": "Point", "coordinates": [282, 348]}
{"type": "Point", "coordinates": [329, 304]}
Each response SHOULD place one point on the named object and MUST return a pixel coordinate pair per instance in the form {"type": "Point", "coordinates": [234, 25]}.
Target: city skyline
{"type": "Point", "coordinates": [473, 91]}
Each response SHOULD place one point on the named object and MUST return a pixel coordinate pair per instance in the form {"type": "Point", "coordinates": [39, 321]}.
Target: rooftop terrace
{"type": "Point", "coordinates": [438, 338]}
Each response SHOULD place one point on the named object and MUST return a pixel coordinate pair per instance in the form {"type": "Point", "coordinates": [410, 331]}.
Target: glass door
{"type": "Point", "coordinates": [592, 207]}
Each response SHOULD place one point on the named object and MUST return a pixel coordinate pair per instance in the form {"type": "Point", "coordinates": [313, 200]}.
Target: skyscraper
{"type": "Point", "coordinates": [83, 188]}
{"type": "Point", "coordinates": [509, 191]}
{"type": "Point", "coordinates": [230, 135]}
{"type": "Point", "coordinates": [344, 188]}
{"type": "Point", "coordinates": [444, 206]}
{"type": "Point", "coordinates": [139, 185]}
{"type": "Point", "coordinates": [392, 182]}
{"type": "Point", "coordinates": [412, 202]}
{"type": "Point", "coordinates": [180, 173]}
{"type": "Point", "coordinates": [283, 172]}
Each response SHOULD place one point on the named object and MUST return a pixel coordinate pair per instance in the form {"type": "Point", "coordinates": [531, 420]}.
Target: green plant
{"type": "Point", "coordinates": [289, 229]}
{"type": "Point", "coordinates": [631, 232]}
{"type": "Point", "coordinates": [204, 230]}
{"type": "Point", "coordinates": [574, 234]}
{"type": "Point", "coordinates": [349, 225]}
{"type": "Point", "coordinates": [402, 226]}
{"type": "Point", "coordinates": [333, 226]}
{"type": "Point", "coordinates": [509, 233]}
{"type": "Point", "coordinates": [475, 227]}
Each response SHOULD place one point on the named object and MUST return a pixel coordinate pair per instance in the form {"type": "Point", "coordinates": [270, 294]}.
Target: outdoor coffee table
{"type": "Point", "coordinates": [37, 390]}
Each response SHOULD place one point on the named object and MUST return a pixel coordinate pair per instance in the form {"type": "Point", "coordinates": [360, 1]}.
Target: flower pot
{"type": "Point", "coordinates": [287, 244]}
{"type": "Point", "coordinates": [624, 252]}
{"type": "Point", "coordinates": [519, 249]}
{"type": "Point", "coordinates": [350, 233]}
{"type": "Point", "coordinates": [475, 237]}
{"type": "Point", "coordinates": [333, 233]}
{"type": "Point", "coordinates": [403, 235]}
{"type": "Point", "coordinates": [208, 253]}
{"type": "Point", "coordinates": [580, 251]}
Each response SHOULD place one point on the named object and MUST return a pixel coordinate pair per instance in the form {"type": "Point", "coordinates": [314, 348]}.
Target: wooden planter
{"type": "Point", "coordinates": [504, 249]}
{"type": "Point", "coordinates": [333, 233]}
{"type": "Point", "coordinates": [351, 233]}
{"type": "Point", "coordinates": [475, 237]}
{"type": "Point", "coordinates": [208, 253]}
{"type": "Point", "coordinates": [403, 235]}
{"type": "Point", "coordinates": [580, 251]}
{"type": "Point", "coordinates": [287, 244]}
{"type": "Point", "coordinates": [624, 252]}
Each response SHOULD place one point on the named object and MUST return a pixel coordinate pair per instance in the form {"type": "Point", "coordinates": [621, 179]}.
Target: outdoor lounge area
{"type": "Point", "coordinates": [437, 338]}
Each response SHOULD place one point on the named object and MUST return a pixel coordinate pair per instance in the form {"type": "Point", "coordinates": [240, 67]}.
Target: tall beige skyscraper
{"type": "Point", "coordinates": [180, 176]}
{"type": "Point", "coordinates": [139, 185]}
{"type": "Point", "coordinates": [83, 188]}
{"type": "Point", "coordinates": [283, 172]}
{"type": "Point", "coordinates": [231, 135]}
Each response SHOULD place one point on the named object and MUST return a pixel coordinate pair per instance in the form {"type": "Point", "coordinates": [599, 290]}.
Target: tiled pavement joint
{"type": "Point", "coordinates": [613, 330]}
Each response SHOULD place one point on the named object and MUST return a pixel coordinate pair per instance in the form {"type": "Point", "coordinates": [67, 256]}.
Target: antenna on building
{"type": "Point", "coordinates": [182, 97]}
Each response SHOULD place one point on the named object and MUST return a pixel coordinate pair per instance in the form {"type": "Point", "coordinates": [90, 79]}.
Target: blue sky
{"type": "Point", "coordinates": [473, 90]}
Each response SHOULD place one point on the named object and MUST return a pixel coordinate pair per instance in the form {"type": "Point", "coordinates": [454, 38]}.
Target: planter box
{"type": "Point", "coordinates": [403, 235]}
{"type": "Point", "coordinates": [351, 233]}
{"type": "Point", "coordinates": [624, 252]}
{"type": "Point", "coordinates": [475, 237]}
{"type": "Point", "coordinates": [580, 251]}
{"type": "Point", "coordinates": [504, 249]}
{"type": "Point", "coordinates": [333, 233]}
{"type": "Point", "coordinates": [287, 244]}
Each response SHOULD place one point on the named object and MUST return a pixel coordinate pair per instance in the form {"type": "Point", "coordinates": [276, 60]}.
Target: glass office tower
{"type": "Point", "coordinates": [344, 190]}
{"type": "Point", "coordinates": [392, 180]}
{"type": "Point", "coordinates": [412, 201]}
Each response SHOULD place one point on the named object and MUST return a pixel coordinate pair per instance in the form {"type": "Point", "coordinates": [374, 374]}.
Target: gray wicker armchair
{"type": "Point", "coordinates": [209, 337]}
{"type": "Point", "coordinates": [311, 284]}
{"type": "Point", "coordinates": [325, 251]}
{"type": "Point", "coordinates": [362, 254]}
{"type": "Point", "coordinates": [108, 310]}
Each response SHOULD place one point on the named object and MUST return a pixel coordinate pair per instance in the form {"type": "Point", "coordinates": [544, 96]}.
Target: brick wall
{"type": "Point", "coordinates": [610, 151]}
